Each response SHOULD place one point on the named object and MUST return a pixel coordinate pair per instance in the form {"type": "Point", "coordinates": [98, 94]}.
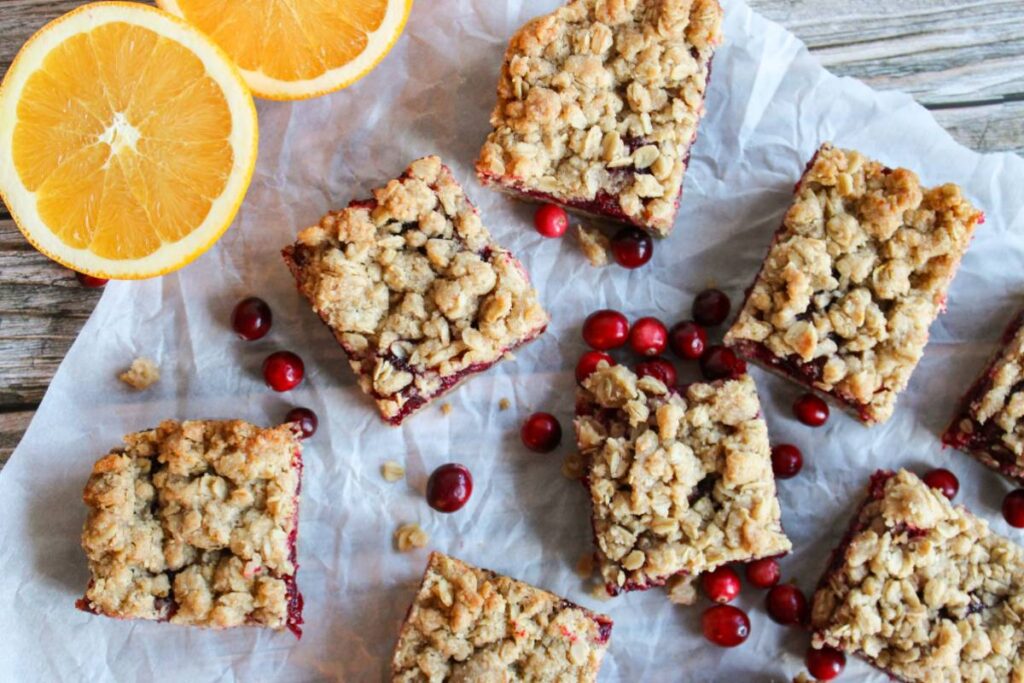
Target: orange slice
{"type": "Point", "coordinates": [294, 49]}
{"type": "Point", "coordinates": [127, 140]}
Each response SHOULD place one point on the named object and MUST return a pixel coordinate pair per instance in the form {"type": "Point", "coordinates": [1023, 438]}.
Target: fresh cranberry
{"type": "Point", "coordinates": [588, 363]}
{"type": "Point", "coordinates": [826, 663]}
{"type": "Point", "coordinates": [1013, 508]}
{"type": "Point", "coordinates": [541, 432]}
{"type": "Point", "coordinates": [943, 480]}
{"type": "Point", "coordinates": [786, 605]}
{"type": "Point", "coordinates": [305, 421]}
{"type": "Point", "coordinates": [721, 362]}
{"type": "Point", "coordinates": [687, 340]}
{"type": "Point", "coordinates": [449, 487]}
{"type": "Point", "coordinates": [91, 282]}
{"type": "Point", "coordinates": [605, 329]}
{"type": "Point", "coordinates": [648, 337]}
{"type": "Point", "coordinates": [763, 573]}
{"type": "Point", "coordinates": [632, 247]}
{"type": "Point", "coordinates": [721, 585]}
{"type": "Point", "coordinates": [551, 220]}
{"type": "Point", "coordinates": [251, 318]}
{"type": "Point", "coordinates": [659, 368]}
{"type": "Point", "coordinates": [725, 625]}
{"type": "Point", "coordinates": [283, 370]}
{"type": "Point", "coordinates": [711, 307]}
{"type": "Point", "coordinates": [811, 410]}
{"type": "Point", "coordinates": [787, 460]}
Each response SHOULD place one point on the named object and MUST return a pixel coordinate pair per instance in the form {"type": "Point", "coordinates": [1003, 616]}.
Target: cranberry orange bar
{"type": "Point", "coordinates": [924, 590]}
{"type": "Point", "coordinates": [853, 280]}
{"type": "Point", "coordinates": [990, 421]}
{"type": "Point", "coordinates": [679, 482]}
{"type": "Point", "coordinates": [598, 106]}
{"type": "Point", "coordinates": [470, 624]}
{"type": "Point", "coordinates": [414, 290]}
{"type": "Point", "coordinates": [195, 523]}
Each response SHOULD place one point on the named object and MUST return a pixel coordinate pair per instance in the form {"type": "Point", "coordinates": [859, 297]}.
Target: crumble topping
{"type": "Point", "coordinates": [408, 537]}
{"type": "Point", "coordinates": [924, 590]}
{"type": "Point", "coordinates": [598, 105]}
{"type": "Point", "coordinates": [678, 482]}
{"type": "Point", "coordinates": [392, 471]}
{"type": "Point", "coordinates": [142, 374]}
{"type": "Point", "coordinates": [195, 523]}
{"type": "Point", "coordinates": [594, 244]}
{"type": "Point", "coordinates": [470, 624]}
{"type": "Point", "coordinates": [414, 289]}
{"type": "Point", "coordinates": [854, 278]}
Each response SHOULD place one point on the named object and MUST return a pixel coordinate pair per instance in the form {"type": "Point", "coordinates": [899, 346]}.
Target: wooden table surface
{"type": "Point", "coordinates": [964, 59]}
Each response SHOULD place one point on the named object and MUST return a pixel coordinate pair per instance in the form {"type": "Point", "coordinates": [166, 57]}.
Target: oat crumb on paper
{"type": "Point", "coordinates": [446, 408]}
{"type": "Point", "coordinates": [599, 592]}
{"type": "Point", "coordinates": [392, 471]}
{"type": "Point", "coordinates": [504, 404]}
{"type": "Point", "coordinates": [572, 466]}
{"type": "Point", "coordinates": [682, 589]}
{"type": "Point", "coordinates": [142, 374]}
{"type": "Point", "coordinates": [594, 245]}
{"type": "Point", "coordinates": [408, 537]}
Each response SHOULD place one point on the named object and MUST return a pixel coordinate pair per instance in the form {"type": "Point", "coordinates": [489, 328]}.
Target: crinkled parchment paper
{"type": "Point", "coordinates": [769, 107]}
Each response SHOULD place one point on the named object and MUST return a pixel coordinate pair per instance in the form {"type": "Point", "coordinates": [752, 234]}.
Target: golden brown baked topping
{"type": "Point", "coordinates": [142, 374]}
{"type": "Point", "coordinates": [409, 537]}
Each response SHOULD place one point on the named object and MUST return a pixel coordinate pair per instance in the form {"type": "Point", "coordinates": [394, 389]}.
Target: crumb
{"type": "Point", "coordinates": [594, 244]}
{"type": "Point", "coordinates": [504, 404]}
{"type": "Point", "coordinates": [572, 466]}
{"type": "Point", "coordinates": [682, 589]}
{"type": "Point", "coordinates": [142, 374]}
{"type": "Point", "coordinates": [392, 471]}
{"type": "Point", "coordinates": [409, 537]}
{"type": "Point", "coordinates": [599, 592]}
{"type": "Point", "coordinates": [446, 408]}
{"type": "Point", "coordinates": [585, 565]}
{"type": "Point", "coordinates": [802, 677]}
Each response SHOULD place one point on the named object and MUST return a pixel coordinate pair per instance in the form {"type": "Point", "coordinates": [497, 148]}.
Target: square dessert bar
{"type": "Point", "coordinates": [470, 624]}
{"type": "Point", "coordinates": [195, 523]}
{"type": "Point", "coordinates": [923, 590]}
{"type": "Point", "coordinates": [598, 106]}
{"type": "Point", "coordinates": [990, 421]}
{"type": "Point", "coordinates": [853, 280]}
{"type": "Point", "coordinates": [414, 290]}
{"type": "Point", "coordinates": [679, 483]}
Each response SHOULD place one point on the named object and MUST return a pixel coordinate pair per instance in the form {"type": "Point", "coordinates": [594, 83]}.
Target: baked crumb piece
{"type": "Point", "coordinates": [573, 466]}
{"type": "Point", "coordinates": [470, 624]}
{"type": "Point", "coordinates": [392, 471]}
{"type": "Point", "coordinates": [594, 245]}
{"type": "Point", "coordinates": [142, 374]}
{"type": "Point", "coordinates": [504, 404]}
{"type": "Point", "coordinates": [598, 592]}
{"type": "Point", "coordinates": [414, 289]}
{"type": "Point", "coordinates": [446, 409]}
{"type": "Point", "coordinates": [802, 677]}
{"type": "Point", "coordinates": [195, 523]}
{"type": "Point", "coordinates": [853, 280]}
{"type": "Point", "coordinates": [923, 590]}
{"type": "Point", "coordinates": [679, 483]}
{"type": "Point", "coordinates": [585, 565]}
{"type": "Point", "coordinates": [682, 589]}
{"type": "Point", "coordinates": [408, 537]}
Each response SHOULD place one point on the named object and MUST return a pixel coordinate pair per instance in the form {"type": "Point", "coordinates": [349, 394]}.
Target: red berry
{"type": "Point", "coordinates": [449, 487]}
{"type": "Point", "coordinates": [725, 625]}
{"type": "Point", "coordinates": [786, 605]}
{"type": "Point", "coordinates": [551, 220]}
{"type": "Point", "coordinates": [541, 432]}
{"type": "Point", "coordinates": [605, 329]}
{"type": "Point", "coordinates": [1013, 508]}
{"type": "Point", "coordinates": [588, 363]}
{"type": "Point", "coordinates": [91, 282]}
{"type": "Point", "coordinates": [721, 585]}
{"type": "Point", "coordinates": [711, 307]}
{"type": "Point", "coordinates": [944, 480]}
{"type": "Point", "coordinates": [811, 410]}
{"type": "Point", "coordinates": [787, 460]}
{"type": "Point", "coordinates": [763, 573]}
{"type": "Point", "coordinates": [658, 368]}
{"type": "Point", "coordinates": [632, 247]}
{"type": "Point", "coordinates": [305, 421]}
{"type": "Point", "coordinates": [251, 318]}
{"type": "Point", "coordinates": [826, 663]}
{"type": "Point", "coordinates": [688, 340]}
{"type": "Point", "coordinates": [721, 362]}
{"type": "Point", "coordinates": [283, 370]}
{"type": "Point", "coordinates": [648, 337]}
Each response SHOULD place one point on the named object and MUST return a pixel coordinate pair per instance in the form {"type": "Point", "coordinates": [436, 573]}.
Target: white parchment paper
{"type": "Point", "coordinates": [769, 106]}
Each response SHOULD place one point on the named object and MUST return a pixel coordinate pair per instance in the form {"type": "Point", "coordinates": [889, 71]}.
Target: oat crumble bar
{"type": "Point", "coordinates": [679, 482]}
{"type": "Point", "coordinates": [195, 523]}
{"type": "Point", "coordinates": [853, 280]}
{"type": "Point", "coordinates": [470, 624]}
{"type": "Point", "coordinates": [598, 107]}
{"type": "Point", "coordinates": [989, 423]}
{"type": "Point", "coordinates": [923, 589]}
{"type": "Point", "coordinates": [414, 289]}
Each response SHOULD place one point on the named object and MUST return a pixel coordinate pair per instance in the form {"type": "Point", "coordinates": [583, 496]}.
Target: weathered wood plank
{"type": "Point", "coordinates": [12, 426]}
{"type": "Point", "coordinates": [990, 128]}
